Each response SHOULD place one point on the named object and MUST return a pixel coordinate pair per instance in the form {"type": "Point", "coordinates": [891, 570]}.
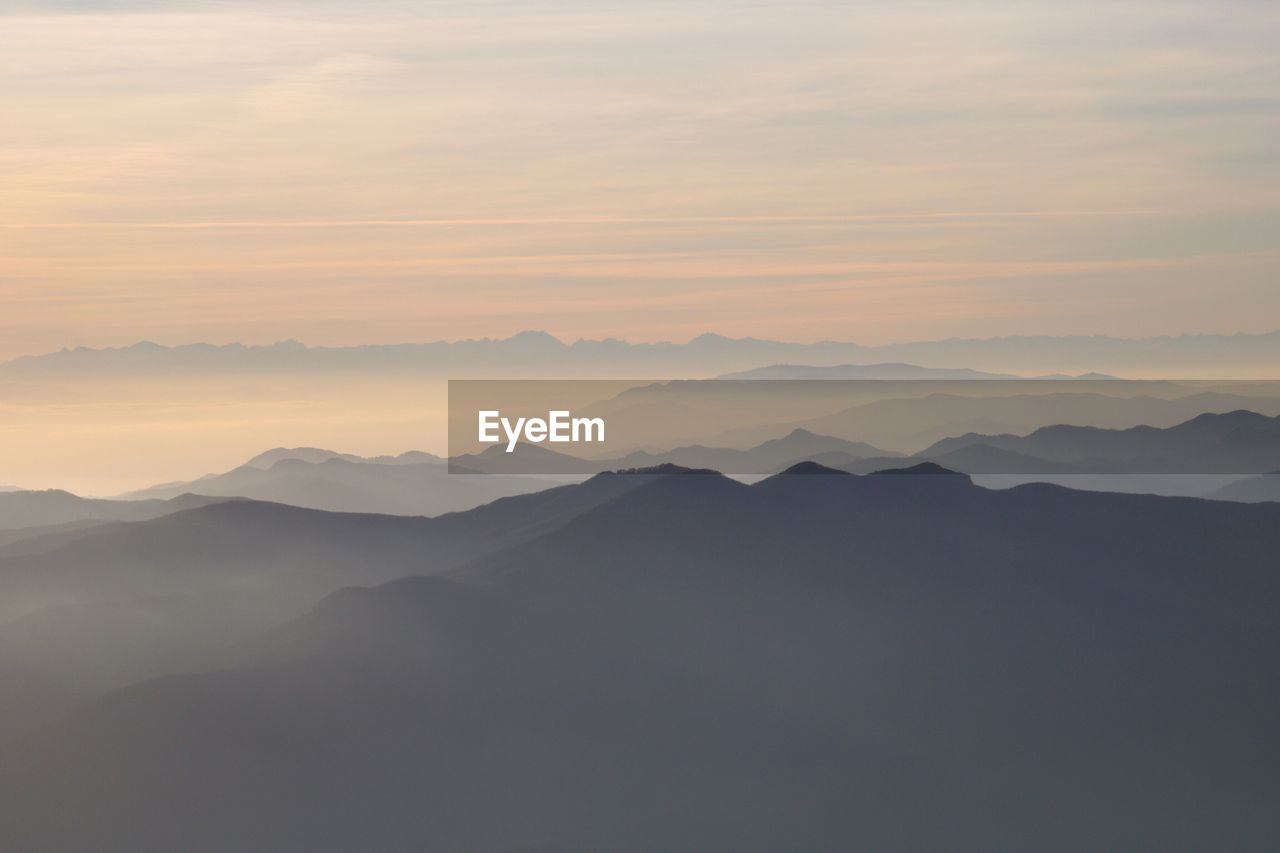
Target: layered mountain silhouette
{"type": "Point", "coordinates": [1239, 442]}
{"type": "Point", "coordinates": [52, 507]}
{"type": "Point", "coordinates": [411, 484]}
{"type": "Point", "coordinates": [93, 609]}
{"type": "Point", "coordinates": [85, 610]}
{"type": "Point", "coordinates": [765, 458]}
{"type": "Point", "coordinates": [540, 354]}
{"type": "Point", "coordinates": [819, 661]}
{"type": "Point", "coordinates": [916, 423]}
{"type": "Point", "coordinates": [318, 454]}
{"type": "Point", "coordinates": [886, 371]}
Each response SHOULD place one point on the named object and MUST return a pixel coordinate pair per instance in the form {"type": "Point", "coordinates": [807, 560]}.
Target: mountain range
{"type": "Point", "coordinates": [911, 424]}
{"type": "Point", "coordinates": [320, 479]}
{"type": "Point", "coordinates": [767, 457]}
{"type": "Point", "coordinates": [535, 353]}
{"type": "Point", "coordinates": [818, 661]}
{"type": "Point", "coordinates": [1239, 442]}
{"type": "Point", "coordinates": [91, 609]}
{"type": "Point", "coordinates": [885, 372]}
{"type": "Point", "coordinates": [21, 511]}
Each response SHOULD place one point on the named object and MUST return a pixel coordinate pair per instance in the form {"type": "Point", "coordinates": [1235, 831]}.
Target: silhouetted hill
{"type": "Point", "coordinates": [1239, 442]}
{"type": "Point", "coordinates": [920, 423]}
{"type": "Point", "coordinates": [269, 458]}
{"type": "Point", "coordinates": [817, 662]}
{"type": "Point", "coordinates": [97, 608]}
{"type": "Point", "coordinates": [339, 484]}
{"type": "Point", "coordinates": [764, 458]}
{"type": "Point", "coordinates": [525, 458]}
{"type": "Point", "coordinates": [29, 509]}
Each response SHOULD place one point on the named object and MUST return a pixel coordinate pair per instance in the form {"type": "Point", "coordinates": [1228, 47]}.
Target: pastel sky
{"type": "Point", "coordinates": [340, 172]}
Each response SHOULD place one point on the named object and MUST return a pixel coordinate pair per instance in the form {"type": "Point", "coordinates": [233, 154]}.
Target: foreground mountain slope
{"type": "Point", "coordinates": [822, 662]}
{"type": "Point", "coordinates": [96, 609]}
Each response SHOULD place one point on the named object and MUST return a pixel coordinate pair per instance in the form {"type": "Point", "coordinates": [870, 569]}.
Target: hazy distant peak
{"type": "Point", "coordinates": [268, 458]}
{"type": "Point", "coordinates": [880, 371]}
{"type": "Point", "coordinates": [535, 336]}
{"type": "Point", "coordinates": [318, 455]}
{"type": "Point", "coordinates": [1239, 417]}
{"type": "Point", "coordinates": [709, 354]}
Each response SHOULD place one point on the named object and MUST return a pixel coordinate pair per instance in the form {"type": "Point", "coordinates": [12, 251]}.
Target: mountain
{"type": "Point", "coordinates": [921, 423]}
{"type": "Point", "coordinates": [28, 509]}
{"type": "Point", "coordinates": [1265, 487]}
{"type": "Point", "coordinates": [887, 371]}
{"type": "Point", "coordinates": [538, 354]}
{"type": "Point", "coordinates": [765, 458]}
{"type": "Point", "coordinates": [99, 608]}
{"type": "Point", "coordinates": [526, 458]}
{"type": "Point", "coordinates": [269, 458]}
{"type": "Point", "coordinates": [895, 661]}
{"type": "Point", "coordinates": [1239, 442]}
{"type": "Point", "coordinates": [336, 483]}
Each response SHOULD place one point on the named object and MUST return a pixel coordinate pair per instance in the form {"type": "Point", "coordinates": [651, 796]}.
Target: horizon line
{"type": "Point", "coordinates": [568, 344]}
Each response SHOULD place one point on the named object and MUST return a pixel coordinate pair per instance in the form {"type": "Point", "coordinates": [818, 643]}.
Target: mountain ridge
{"type": "Point", "coordinates": [1083, 352]}
{"type": "Point", "coordinates": [700, 664]}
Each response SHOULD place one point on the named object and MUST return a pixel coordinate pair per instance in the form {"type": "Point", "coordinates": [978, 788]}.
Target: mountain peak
{"type": "Point", "coordinates": [922, 468]}
{"type": "Point", "coordinates": [666, 468]}
{"type": "Point", "coordinates": [812, 468]}
{"type": "Point", "coordinates": [535, 336]}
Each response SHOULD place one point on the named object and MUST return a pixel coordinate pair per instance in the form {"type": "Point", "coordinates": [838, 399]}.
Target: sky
{"type": "Point", "coordinates": [345, 172]}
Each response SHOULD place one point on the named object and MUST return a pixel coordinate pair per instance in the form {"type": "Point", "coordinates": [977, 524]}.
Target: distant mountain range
{"type": "Point", "coordinates": [687, 663]}
{"type": "Point", "coordinates": [1202, 456]}
{"type": "Point", "coordinates": [27, 509]}
{"type": "Point", "coordinates": [269, 458]}
{"type": "Point", "coordinates": [913, 424]}
{"type": "Point", "coordinates": [534, 353]}
{"type": "Point", "coordinates": [413, 483]}
{"type": "Point", "coordinates": [885, 372]}
{"type": "Point", "coordinates": [96, 608]}
{"type": "Point", "coordinates": [769, 457]}
{"type": "Point", "coordinates": [1239, 442]}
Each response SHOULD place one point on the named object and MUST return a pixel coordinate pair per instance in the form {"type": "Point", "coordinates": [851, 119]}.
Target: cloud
{"type": "Point", "coordinates": [357, 142]}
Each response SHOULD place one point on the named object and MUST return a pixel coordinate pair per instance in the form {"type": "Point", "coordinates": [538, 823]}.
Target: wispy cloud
{"type": "Point", "coordinates": [171, 152]}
